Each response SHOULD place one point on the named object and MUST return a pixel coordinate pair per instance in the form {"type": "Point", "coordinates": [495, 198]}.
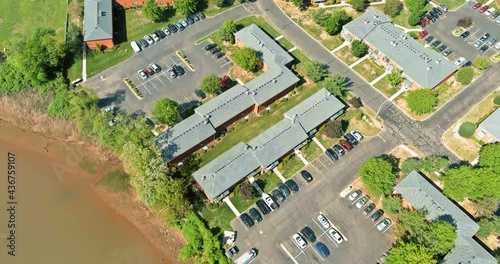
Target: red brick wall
{"type": "Point", "coordinates": [108, 43]}
{"type": "Point", "coordinates": [269, 102]}
{"type": "Point", "coordinates": [191, 151]}
{"type": "Point", "coordinates": [130, 3]}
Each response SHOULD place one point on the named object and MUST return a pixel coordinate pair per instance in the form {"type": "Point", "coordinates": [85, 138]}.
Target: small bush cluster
{"type": "Point", "coordinates": [133, 88]}
{"type": "Point", "coordinates": [183, 57]}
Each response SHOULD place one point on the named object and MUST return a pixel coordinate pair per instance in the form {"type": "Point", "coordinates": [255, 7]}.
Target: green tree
{"type": "Point", "coordinates": [219, 3]}
{"type": "Point", "coordinates": [358, 49]}
{"type": "Point", "coordinates": [489, 157]}
{"type": "Point", "coordinates": [320, 16]}
{"type": "Point", "coordinates": [334, 24]}
{"type": "Point", "coordinates": [246, 58]}
{"type": "Point", "coordinates": [60, 107]}
{"type": "Point", "coordinates": [434, 163]}
{"type": "Point", "coordinates": [395, 77]}
{"type": "Point", "coordinates": [392, 204]}
{"type": "Point", "coordinates": [333, 129]}
{"type": "Point", "coordinates": [464, 75]}
{"type": "Point", "coordinates": [473, 183]}
{"type": "Point", "coordinates": [415, 5]}
{"type": "Point", "coordinates": [358, 5]}
{"type": "Point", "coordinates": [355, 102]}
{"type": "Point", "coordinates": [404, 253]}
{"type": "Point", "coordinates": [171, 198]}
{"type": "Point", "coordinates": [411, 164]}
{"type": "Point", "coordinates": [210, 84]}
{"type": "Point", "coordinates": [227, 30]}
{"type": "Point", "coordinates": [378, 175]}
{"type": "Point", "coordinates": [299, 3]}
{"type": "Point", "coordinates": [152, 11]}
{"type": "Point", "coordinates": [392, 8]}
{"type": "Point", "coordinates": [486, 227]}
{"type": "Point", "coordinates": [496, 100]}
{"type": "Point", "coordinates": [313, 70]}
{"type": "Point", "coordinates": [421, 101]}
{"type": "Point", "coordinates": [413, 222]}
{"type": "Point", "coordinates": [414, 18]}
{"type": "Point", "coordinates": [466, 129]}
{"type": "Point", "coordinates": [74, 40]}
{"type": "Point", "coordinates": [485, 206]}
{"type": "Point", "coordinates": [336, 84]}
{"type": "Point", "coordinates": [185, 7]}
{"type": "Point", "coordinates": [440, 237]}
{"type": "Point", "coordinates": [166, 111]}
{"type": "Point", "coordinates": [482, 62]}
{"type": "Point", "coordinates": [247, 191]}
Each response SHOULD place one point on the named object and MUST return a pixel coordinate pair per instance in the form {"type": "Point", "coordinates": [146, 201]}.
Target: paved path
{"type": "Point", "coordinates": [278, 173]}
{"type": "Point", "coordinates": [230, 204]}
{"type": "Point", "coordinates": [319, 144]}
{"type": "Point", "coordinates": [379, 78]}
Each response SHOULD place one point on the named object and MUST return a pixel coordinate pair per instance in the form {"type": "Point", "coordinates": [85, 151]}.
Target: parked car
{"type": "Point", "coordinates": [160, 33]}
{"type": "Point", "coordinates": [112, 122]}
{"type": "Point", "coordinates": [247, 221]}
{"type": "Point", "coordinates": [149, 39]}
{"type": "Point", "coordinates": [184, 23]}
{"type": "Point", "coordinates": [354, 195]}
{"type": "Point", "coordinates": [422, 34]}
{"type": "Point", "coordinates": [323, 221]}
{"type": "Point", "coordinates": [489, 11]}
{"type": "Point", "coordinates": [225, 82]}
{"type": "Point", "coordinates": [270, 202]}
{"type": "Point", "coordinates": [361, 202]}
{"type": "Point", "coordinates": [255, 215]}
{"type": "Point", "coordinates": [444, 8]}
{"type": "Point", "coordinates": [351, 139]}
{"type": "Point", "coordinates": [155, 37]}
{"type": "Point", "coordinates": [492, 41]}
{"type": "Point", "coordinates": [196, 17]}
{"type": "Point", "coordinates": [166, 31]}
{"type": "Point", "coordinates": [465, 34]}
{"type": "Point", "coordinates": [308, 234]}
{"type": "Point", "coordinates": [297, 238]}
{"type": "Point", "coordinates": [357, 135]}
{"type": "Point", "coordinates": [442, 48]}
{"type": "Point", "coordinates": [497, 46]}
{"type": "Point", "coordinates": [484, 48]}
{"type": "Point", "coordinates": [339, 149]}
{"type": "Point", "coordinates": [155, 67]}
{"type": "Point", "coordinates": [178, 69]}
{"type": "Point", "coordinates": [485, 36]}
{"type": "Point", "coordinates": [284, 189]}
{"type": "Point", "coordinates": [179, 26]}
{"type": "Point", "coordinates": [424, 22]}
{"type": "Point", "coordinates": [369, 209]}
{"type": "Point", "coordinates": [143, 75]}
{"type": "Point", "coordinates": [278, 195]}
{"type": "Point", "coordinates": [263, 207]}
{"type": "Point", "coordinates": [335, 235]}
{"type": "Point", "coordinates": [219, 55]}
{"type": "Point", "coordinates": [437, 11]}
{"type": "Point", "coordinates": [428, 39]}
{"type": "Point", "coordinates": [210, 46]}
{"type": "Point", "coordinates": [477, 5]}
{"type": "Point", "coordinates": [306, 175]}
{"type": "Point", "coordinates": [149, 71]}
{"type": "Point", "coordinates": [377, 214]}
{"type": "Point", "coordinates": [172, 73]}
{"type": "Point", "coordinates": [172, 28]}
{"type": "Point", "coordinates": [447, 52]}
{"type": "Point", "coordinates": [495, 15]}
{"type": "Point", "coordinates": [200, 15]}
{"type": "Point", "coordinates": [232, 252]}
{"type": "Point", "coordinates": [144, 43]}
{"type": "Point", "coordinates": [331, 154]}
{"type": "Point", "coordinates": [483, 9]}
{"type": "Point", "coordinates": [345, 145]}
{"type": "Point", "coordinates": [190, 20]}
{"type": "Point", "coordinates": [384, 224]}
{"type": "Point", "coordinates": [497, 20]}
{"type": "Point", "coordinates": [322, 249]}
{"type": "Point", "coordinates": [292, 185]}
{"type": "Point", "coordinates": [200, 94]}
{"type": "Point", "coordinates": [431, 16]}
{"type": "Point", "coordinates": [467, 64]}
{"type": "Point", "coordinates": [436, 43]}
{"type": "Point", "coordinates": [478, 43]}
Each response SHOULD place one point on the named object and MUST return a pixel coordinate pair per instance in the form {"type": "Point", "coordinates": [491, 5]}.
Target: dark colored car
{"type": "Point", "coordinates": [442, 47]}
{"type": "Point", "coordinates": [322, 249]}
{"type": "Point", "coordinates": [351, 139]}
{"type": "Point", "coordinates": [200, 15]}
{"type": "Point", "coordinates": [255, 215]}
{"type": "Point", "coordinates": [447, 52]}
{"type": "Point", "coordinates": [284, 189]}
{"type": "Point", "coordinates": [178, 69]}
{"type": "Point", "coordinates": [200, 94]}
{"type": "Point", "coordinates": [339, 149]}
{"type": "Point", "coordinates": [219, 55]}
{"type": "Point", "coordinates": [196, 17]}
{"type": "Point", "coordinates": [438, 11]}
{"type": "Point", "coordinates": [292, 185]}
{"type": "Point", "coordinates": [308, 234]}
{"type": "Point", "coordinates": [467, 64]}
{"type": "Point", "coordinates": [431, 17]}
{"type": "Point", "coordinates": [495, 15]}
{"type": "Point", "coordinates": [436, 43]}
{"type": "Point", "coordinates": [263, 207]}
{"type": "Point", "coordinates": [143, 43]}
{"type": "Point", "coordinates": [247, 220]}
{"type": "Point", "coordinates": [172, 28]}
{"type": "Point", "coordinates": [332, 154]}
{"type": "Point", "coordinates": [210, 46]}
{"type": "Point", "coordinates": [160, 34]}
{"type": "Point", "coordinates": [465, 34]}
{"type": "Point", "coordinates": [377, 214]}
{"type": "Point", "coordinates": [215, 50]}
{"type": "Point", "coordinates": [179, 26]}
{"type": "Point", "coordinates": [345, 145]}
{"type": "Point", "coordinates": [190, 20]}
{"type": "Point", "coordinates": [278, 195]}
{"type": "Point", "coordinates": [306, 175]}
{"type": "Point", "coordinates": [232, 252]}
{"type": "Point", "coordinates": [484, 48]}
{"type": "Point", "coordinates": [428, 39]}
{"type": "Point", "coordinates": [485, 36]}
{"type": "Point", "coordinates": [369, 209]}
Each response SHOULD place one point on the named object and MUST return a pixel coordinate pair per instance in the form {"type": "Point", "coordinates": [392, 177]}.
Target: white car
{"type": "Point", "coordinates": [299, 241]}
{"type": "Point", "coordinates": [459, 61]}
{"type": "Point", "coordinates": [155, 37]}
{"type": "Point", "coordinates": [362, 201]}
{"type": "Point", "coordinates": [384, 224]}
{"type": "Point", "coordinates": [269, 201]}
{"type": "Point", "coordinates": [143, 75]}
{"type": "Point", "coordinates": [335, 235]}
{"type": "Point", "coordinates": [166, 30]}
{"type": "Point", "coordinates": [149, 40]}
{"type": "Point", "coordinates": [497, 20]}
{"type": "Point", "coordinates": [154, 67]}
{"type": "Point", "coordinates": [323, 221]}
{"type": "Point", "coordinates": [354, 195]}
{"type": "Point", "coordinates": [478, 43]}
{"type": "Point", "coordinates": [489, 11]}
{"type": "Point", "coordinates": [184, 23]}
{"type": "Point", "coordinates": [497, 46]}
{"type": "Point", "coordinates": [357, 135]}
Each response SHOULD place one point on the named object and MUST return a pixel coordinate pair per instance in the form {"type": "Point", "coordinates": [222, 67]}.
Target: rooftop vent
{"type": "Point", "coordinates": [429, 68]}
{"type": "Point", "coordinates": [438, 61]}
{"type": "Point", "coordinates": [367, 21]}
{"type": "Point", "coordinates": [375, 16]}
{"type": "Point", "coordinates": [247, 147]}
{"type": "Point", "coordinates": [403, 36]}
{"type": "Point", "coordinates": [275, 80]}
{"type": "Point", "coordinates": [204, 177]}
{"type": "Point", "coordinates": [254, 93]}
{"type": "Point", "coordinates": [205, 122]}
{"type": "Point", "coordinates": [103, 13]}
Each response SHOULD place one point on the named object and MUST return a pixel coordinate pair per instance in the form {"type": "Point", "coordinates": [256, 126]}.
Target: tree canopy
{"type": "Point", "coordinates": [392, 8]}
{"type": "Point", "coordinates": [421, 101]}
{"type": "Point", "coordinates": [486, 206]}
{"type": "Point", "coordinates": [358, 5]}
{"type": "Point", "coordinates": [336, 84]}
{"type": "Point", "coordinates": [473, 183]}
{"type": "Point", "coordinates": [246, 58]}
{"type": "Point", "coordinates": [313, 70]}
{"type": "Point", "coordinates": [489, 157]}
{"type": "Point", "coordinates": [358, 49]}
{"type": "Point", "coordinates": [482, 62]}
{"type": "Point", "coordinates": [210, 84]}
{"type": "Point", "coordinates": [392, 204]}
{"type": "Point", "coordinates": [415, 5]}
{"type": "Point", "coordinates": [404, 253]}
{"type": "Point", "coordinates": [395, 77]}
{"type": "Point", "coordinates": [227, 30]}
{"type": "Point", "coordinates": [334, 24]}
{"type": "Point", "coordinates": [333, 129]}
{"type": "Point", "coordinates": [166, 111]}
{"type": "Point", "coordinates": [464, 75]}
{"type": "Point", "coordinates": [185, 7]}
{"type": "Point", "coordinates": [152, 11]}
{"type": "Point", "coordinates": [378, 175]}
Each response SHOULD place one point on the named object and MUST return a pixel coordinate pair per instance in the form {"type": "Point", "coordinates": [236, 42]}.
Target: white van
{"type": "Point", "coordinates": [135, 46]}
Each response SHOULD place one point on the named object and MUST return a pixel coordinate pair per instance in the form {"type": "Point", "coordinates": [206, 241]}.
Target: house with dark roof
{"type": "Point", "coordinates": [216, 115]}
{"type": "Point", "coordinates": [133, 3]}
{"type": "Point", "coordinates": [420, 193]}
{"type": "Point", "coordinates": [98, 23]}
{"type": "Point", "coordinates": [264, 152]}
{"type": "Point", "coordinates": [391, 47]}
{"type": "Point", "coordinates": [488, 131]}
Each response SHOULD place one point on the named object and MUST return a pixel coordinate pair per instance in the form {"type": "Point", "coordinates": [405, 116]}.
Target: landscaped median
{"type": "Point", "coordinates": [185, 60]}
{"type": "Point", "coordinates": [133, 88]}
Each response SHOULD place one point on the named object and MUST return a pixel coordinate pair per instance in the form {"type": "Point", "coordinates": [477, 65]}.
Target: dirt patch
{"type": "Point", "coordinates": [492, 241]}
{"type": "Point", "coordinates": [238, 73]}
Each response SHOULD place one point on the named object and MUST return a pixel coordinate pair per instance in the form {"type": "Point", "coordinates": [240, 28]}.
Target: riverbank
{"type": "Point", "coordinates": [74, 159]}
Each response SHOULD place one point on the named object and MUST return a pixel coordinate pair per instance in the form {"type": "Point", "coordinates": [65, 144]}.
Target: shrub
{"type": "Point", "coordinates": [231, 195]}
{"type": "Point", "coordinates": [393, 7]}
{"type": "Point", "coordinates": [464, 75]}
{"type": "Point", "coordinates": [358, 49]}
{"type": "Point", "coordinates": [337, 20]}
{"type": "Point", "coordinates": [333, 129]}
{"type": "Point", "coordinates": [412, 164]}
{"type": "Point", "coordinates": [274, 106]}
{"type": "Point", "coordinates": [414, 18]}
{"type": "Point", "coordinates": [356, 102]}
{"type": "Point", "coordinates": [358, 5]}
{"type": "Point", "coordinates": [320, 16]}
{"type": "Point", "coordinates": [395, 77]}
{"type": "Point", "coordinates": [358, 114]}
{"type": "Point", "coordinates": [465, 22]}
{"type": "Point", "coordinates": [421, 101]}
{"type": "Point", "coordinates": [497, 100]}
{"type": "Point", "coordinates": [481, 62]}
{"type": "Point", "coordinates": [467, 129]}
{"type": "Point", "coordinates": [392, 204]}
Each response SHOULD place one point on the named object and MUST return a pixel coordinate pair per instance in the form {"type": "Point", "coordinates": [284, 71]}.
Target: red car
{"type": "Point", "coordinates": [476, 6]}
{"type": "Point", "coordinates": [225, 82]}
{"type": "Point", "coordinates": [345, 145]}
{"type": "Point", "coordinates": [424, 22]}
{"type": "Point", "coordinates": [422, 34]}
{"type": "Point", "coordinates": [149, 71]}
{"type": "Point", "coordinates": [484, 8]}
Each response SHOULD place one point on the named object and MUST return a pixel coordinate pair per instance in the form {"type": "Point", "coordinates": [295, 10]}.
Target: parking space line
{"type": "Point", "coordinates": [144, 87]}
{"type": "Point", "coordinates": [317, 253]}
{"type": "Point", "coordinates": [322, 162]}
{"type": "Point", "coordinates": [155, 86]}
{"type": "Point", "coordinates": [288, 253]}
{"type": "Point", "coordinates": [225, 64]}
{"type": "Point", "coordinates": [333, 241]}
{"type": "Point", "coordinates": [161, 81]}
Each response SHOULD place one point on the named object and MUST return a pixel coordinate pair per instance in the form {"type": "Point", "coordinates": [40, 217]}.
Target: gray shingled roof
{"type": "Point", "coordinates": [184, 136]}
{"type": "Point", "coordinates": [421, 194]}
{"type": "Point", "coordinates": [315, 109]}
{"type": "Point", "coordinates": [492, 124]}
{"type": "Point", "coordinates": [226, 170]}
{"type": "Point", "coordinates": [97, 20]}
{"type": "Point", "coordinates": [417, 62]}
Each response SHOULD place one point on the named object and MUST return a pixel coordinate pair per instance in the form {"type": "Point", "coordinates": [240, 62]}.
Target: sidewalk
{"type": "Point", "coordinates": [231, 205]}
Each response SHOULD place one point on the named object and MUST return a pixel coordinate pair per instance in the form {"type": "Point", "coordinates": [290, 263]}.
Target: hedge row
{"type": "Point", "coordinates": [186, 61]}
{"type": "Point", "coordinates": [133, 88]}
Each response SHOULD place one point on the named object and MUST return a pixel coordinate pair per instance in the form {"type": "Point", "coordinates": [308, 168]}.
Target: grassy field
{"type": "Point", "coordinates": [218, 219]}
{"type": "Point", "coordinates": [241, 204]}
{"type": "Point", "coordinates": [344, 54]}
{"type": "Point", "coordinates": [369, 70]}
{"type": "Point", "coordinates": [454, 4]}
{"type": "Point", "coordinates": [311, 151]}
{"type": "Point", "coordinates": [267, 181]}
{"type": "Point", "coordinates": [285, 43]}
{"type": "Point", "coordinates": [22, 17]}
{"type": "Point", "coordinates": [385, 87]}
{"type": "Point", "coordinates": [291, 166]}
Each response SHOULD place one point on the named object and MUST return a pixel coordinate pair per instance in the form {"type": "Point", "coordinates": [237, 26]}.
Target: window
{"type": "Point", "coordinates": [481, 134]}
{"type": "Point", "coordinates": [134, 3]}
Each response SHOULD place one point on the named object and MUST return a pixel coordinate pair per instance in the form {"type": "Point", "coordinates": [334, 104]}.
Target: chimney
{"type": "Point", "coordinates": [204, 177]}
{"type": "Point", "coordinates": [375, 16]}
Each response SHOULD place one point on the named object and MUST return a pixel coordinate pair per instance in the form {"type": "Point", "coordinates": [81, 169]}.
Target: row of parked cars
{"type": "Point", "coordinates": [157, 35]}
{"type": "Point", "coordinates": [355, 197]}
{"type": "Point", "coordinates": [350, 140]}
{"type": "Point", "coordinates": [212, 49]}
{"type": "Point", "coordinates": [433, 15]}
{"type": "Point", "coordinates": [485, 42]}
{"type": "Point", "coordinates": [269, 203]}
{"type": "Point", "coordinates": [488, 11]}
{"type": "Point", "coordinates": [153, 68]}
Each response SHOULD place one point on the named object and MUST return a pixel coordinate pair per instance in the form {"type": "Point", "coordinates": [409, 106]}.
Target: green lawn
{"type": "Point", "coordinates": [75, 72]}
{"type": "Point", "coordinates": [218, 219]}
{"type": "Point", "coordinates": [369, 70]}
{"type": "Point", "coordinates": [290, 167]}
{"type": "Point", "coordinates": [213, 10]}
{"type": "Point", "coordinates": [243, 205]}
{"type": "Point", "coordinates": [451, 4]}
{"type": "Point", "coordinates": [385, 87]}
{"type": "Point", "coordinates": [267, 181]}
{"type": "Point", "coordinates": [344, 54]}
{"type": "Point", "coordinates": [402, 18]}
{"type": "Point", "coordinates": [311, 151]}
{"type": "Point", "coordinates": [22, 17]}
{"type": "Point", "coordinates": [261, 22]}
{"type": "Point", "coordinates": [285, 43]}
{"type": "Point", "coordinates": [330, 42]}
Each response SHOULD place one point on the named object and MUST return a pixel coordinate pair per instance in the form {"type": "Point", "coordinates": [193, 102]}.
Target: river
{"type": "Point", "coordinates": [58, 217]}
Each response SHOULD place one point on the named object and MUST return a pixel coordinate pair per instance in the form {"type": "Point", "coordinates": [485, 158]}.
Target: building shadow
{"type": "Point", "coordinates": [119, 24]}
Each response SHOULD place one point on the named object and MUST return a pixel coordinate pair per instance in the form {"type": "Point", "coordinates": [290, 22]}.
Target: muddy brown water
{"type": "Point", "coordinates": [58, 217]}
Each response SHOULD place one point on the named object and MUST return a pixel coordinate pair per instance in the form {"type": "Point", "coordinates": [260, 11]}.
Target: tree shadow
{"type": "Point", "coordinates": [167, 14]}
{"type": "Point", "coordinates": [114, 98]}
{"type": "Point", "coordinates": [393, 160]}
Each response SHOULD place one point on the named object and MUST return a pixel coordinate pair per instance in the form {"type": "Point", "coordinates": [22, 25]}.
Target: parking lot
{"type": "Point", "coordinates": [363, 243]}
{"type": "Point", "coordinates": [443, 27]}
